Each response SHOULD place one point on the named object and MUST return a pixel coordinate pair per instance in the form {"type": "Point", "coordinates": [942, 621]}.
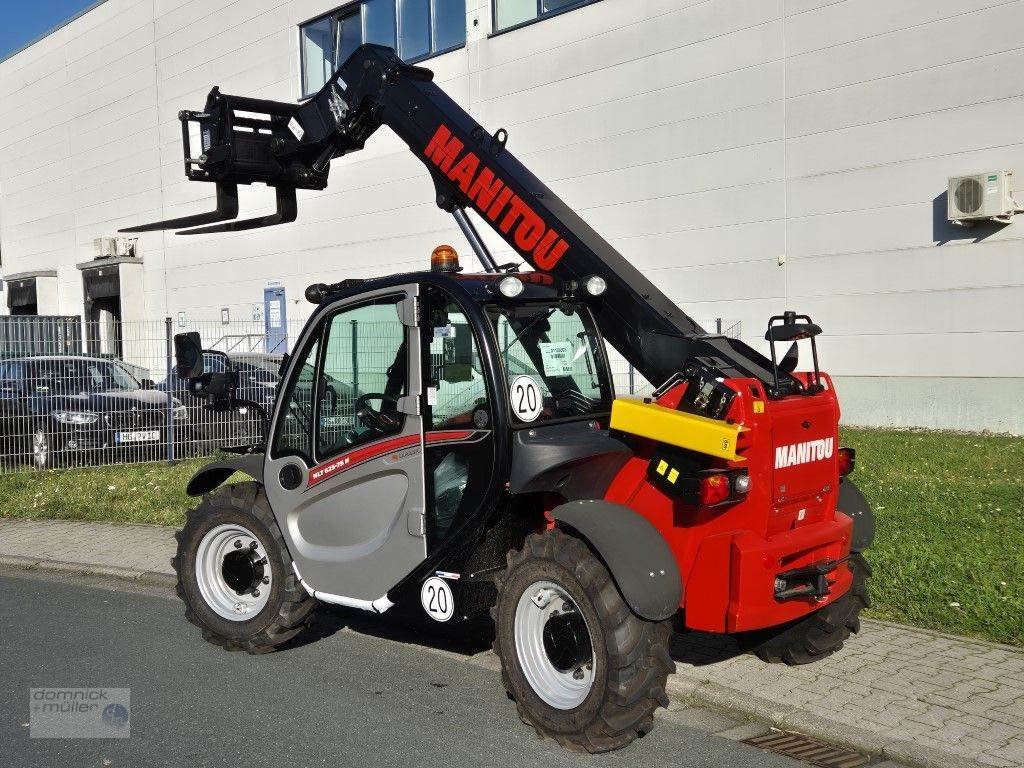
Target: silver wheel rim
{"type": "Point", "coordinates": [218, 544]}
{"type": "Point", "coordinates": [40, 449]}
{"type": "Point", "coordinates": [563, 690]}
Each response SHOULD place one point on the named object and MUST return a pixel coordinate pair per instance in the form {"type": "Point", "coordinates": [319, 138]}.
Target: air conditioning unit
{"type": "Point", "coordinates": [125, 246]}
{"type": "Point", "coordinates": [106, 247]}
{"type": "Point", "coordinates": [982, 197]}
{"type": "Point", "coordinates": [109, 247]}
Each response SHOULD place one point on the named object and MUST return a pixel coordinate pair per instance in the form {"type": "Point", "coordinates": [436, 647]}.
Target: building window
{"type": "Point", "coordinates": [417, 29]}
{"type": "Point", "coordinates": [509, 14]}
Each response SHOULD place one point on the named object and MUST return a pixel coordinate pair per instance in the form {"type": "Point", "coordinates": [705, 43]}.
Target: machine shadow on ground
{"type": "Point", "coordinates": [404, 625]}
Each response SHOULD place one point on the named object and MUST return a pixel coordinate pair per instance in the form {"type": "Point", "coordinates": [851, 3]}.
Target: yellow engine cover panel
{"type": "Point", "coordinates": [683, 430]}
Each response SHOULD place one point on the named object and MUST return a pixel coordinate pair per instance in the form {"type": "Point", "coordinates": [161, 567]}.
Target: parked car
{"type": "Point", "coordinates": [209, 429]}
{"type": "Point", "coordinates": [68, 409]}
{"type": "Point", "coordinates": [270, 363]}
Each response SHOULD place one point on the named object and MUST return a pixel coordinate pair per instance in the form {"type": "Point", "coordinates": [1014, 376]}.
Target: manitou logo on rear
{"type": "Point", "coordinates": [802, 453]}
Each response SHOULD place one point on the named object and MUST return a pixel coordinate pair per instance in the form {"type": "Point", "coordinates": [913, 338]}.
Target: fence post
{"type": "Point", "coordinates": [355, 357]}
{"type": "Point", "coordinates": [718, 326]}
{"type": "Point", "coordinates": [632, 388]}
{"type": "Point", "coordinates": [169, 334]}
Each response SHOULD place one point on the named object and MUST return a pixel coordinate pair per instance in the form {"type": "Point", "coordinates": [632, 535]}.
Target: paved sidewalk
{"type": "Point", "coordinates": [912, 695]}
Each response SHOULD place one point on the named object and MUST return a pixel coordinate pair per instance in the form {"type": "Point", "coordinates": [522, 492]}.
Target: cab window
{"type": "Point", "coordinates": [459, 388]}
{"type": "Point", "coordinates": [365, 373]}
{"type": "Point", "coordinates": [554, 362]}
{"type": "Point", "coordinates": [295, 427]}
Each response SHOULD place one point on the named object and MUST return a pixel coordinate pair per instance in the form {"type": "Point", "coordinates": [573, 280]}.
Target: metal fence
{"type": "Point", "coordinates": [74, 394]}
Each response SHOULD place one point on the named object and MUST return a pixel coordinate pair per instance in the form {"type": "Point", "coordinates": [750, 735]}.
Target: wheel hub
{"type": "Point", "coordinates": [567, 642]}
{"type": "Point", "coordinates": [242, 569]}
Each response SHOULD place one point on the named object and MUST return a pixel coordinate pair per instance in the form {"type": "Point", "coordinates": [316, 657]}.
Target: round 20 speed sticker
{"type": "Point", "coordinates": [527, 402]}
{"type": "Point", "coordinates": [437, 599]}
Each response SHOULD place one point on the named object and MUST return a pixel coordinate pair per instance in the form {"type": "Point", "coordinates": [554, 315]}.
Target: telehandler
{"type": "Point", "coordinates": [455, 438]}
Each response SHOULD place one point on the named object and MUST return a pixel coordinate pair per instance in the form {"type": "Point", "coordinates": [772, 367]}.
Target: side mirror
{"type": "Point", "coordinates": [188, 355]}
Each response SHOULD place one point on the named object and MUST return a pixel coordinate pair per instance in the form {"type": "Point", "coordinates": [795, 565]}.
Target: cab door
{"type": "Point", "coordinates": [344, 473]}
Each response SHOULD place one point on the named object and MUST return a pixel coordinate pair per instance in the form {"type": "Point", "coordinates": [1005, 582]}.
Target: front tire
{"type": "Point", "coordinates": [235, 574]}
{"type": "Point", "coordinates": [583, 669]}
{"type": "Point", "coordinates": [823, 632]}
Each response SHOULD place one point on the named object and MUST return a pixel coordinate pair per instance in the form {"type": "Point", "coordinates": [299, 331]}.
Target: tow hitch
{"type": "Point", "coordinates": [811, 581]}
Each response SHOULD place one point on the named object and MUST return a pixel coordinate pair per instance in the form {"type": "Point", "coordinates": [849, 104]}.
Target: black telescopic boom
{"type": "Point", "coordinates": [473, 169]}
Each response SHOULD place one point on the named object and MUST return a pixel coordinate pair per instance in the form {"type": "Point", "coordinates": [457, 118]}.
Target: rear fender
{"type": "Point", "coordinates": [638, 557]}
{"type": "Point", "coordinates": [213, 475]}
{"type": "Point", "coordinates": [853, 503]}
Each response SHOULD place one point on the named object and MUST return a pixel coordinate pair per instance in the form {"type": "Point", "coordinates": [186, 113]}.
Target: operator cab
{"type": "Point", "coordinates": [411, 400]}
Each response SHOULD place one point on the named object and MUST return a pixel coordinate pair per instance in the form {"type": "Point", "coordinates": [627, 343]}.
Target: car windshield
{"type": "Point", "coordinates": [556, 347]}
{"type": "Point", "coordinates": [69, 375]}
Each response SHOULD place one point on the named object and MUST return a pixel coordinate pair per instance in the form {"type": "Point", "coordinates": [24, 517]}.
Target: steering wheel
{"type": "Point", "coordinates": [376, 420]}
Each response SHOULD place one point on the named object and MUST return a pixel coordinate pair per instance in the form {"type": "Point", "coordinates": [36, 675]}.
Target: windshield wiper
{"type": "Point", "coordinates": [528, 326]}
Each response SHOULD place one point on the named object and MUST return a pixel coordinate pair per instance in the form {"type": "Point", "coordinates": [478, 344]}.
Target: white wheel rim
{"type": "Point", "coordinates": [538, 604]}
{"type": "Point", "coordinates": [40, 449]}
{"type": "Point", "coordinates": [232, 541]}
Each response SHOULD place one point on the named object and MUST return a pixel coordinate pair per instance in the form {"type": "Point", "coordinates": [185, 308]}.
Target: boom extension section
{"type": "Point", "coordinates": [290, 146]}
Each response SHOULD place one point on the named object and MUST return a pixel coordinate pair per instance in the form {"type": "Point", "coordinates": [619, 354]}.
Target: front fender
{"type": "Point", "coordinates": [213, 475]}
{"type": "Point", "coordinates": [636, 554]}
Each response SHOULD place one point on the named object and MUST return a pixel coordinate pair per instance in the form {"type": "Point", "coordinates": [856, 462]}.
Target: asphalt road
{"type": "Point", "coordinates": [349, 698]}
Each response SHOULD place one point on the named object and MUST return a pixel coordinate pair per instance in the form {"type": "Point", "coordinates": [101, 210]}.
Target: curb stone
{"type": "Point", "coordinates": [791, 718]}
{"type": "Point", "coordinates": [153, 578]}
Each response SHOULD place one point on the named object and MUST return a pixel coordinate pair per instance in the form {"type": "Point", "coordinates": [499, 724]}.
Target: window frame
{"type": "Point", "coordinates": [542, 15]}
{"type": "Point", "coordinates": [356, 7]}
{"type": "Point", "coordinates": [345, 9]}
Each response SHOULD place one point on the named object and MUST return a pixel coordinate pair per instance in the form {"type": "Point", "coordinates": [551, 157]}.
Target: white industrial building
{"type": "Point", "coordinates": [751, 155]}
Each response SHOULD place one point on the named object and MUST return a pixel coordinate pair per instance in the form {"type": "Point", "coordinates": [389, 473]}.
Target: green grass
{"type": "Point", "coordinates": [135, 493]}
{"type": "Point", "coordinates": [949, 554]}
{"type": "Point", "coordinates": [950, 507]}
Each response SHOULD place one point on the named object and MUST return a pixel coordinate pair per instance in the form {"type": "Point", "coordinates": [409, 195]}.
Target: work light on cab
{"type": "Point", "coordinates": [595, 285]}
{"type": "Point", "coordinates": [444, 259]}
{"type": "Point", "coordinates": [510, 287]}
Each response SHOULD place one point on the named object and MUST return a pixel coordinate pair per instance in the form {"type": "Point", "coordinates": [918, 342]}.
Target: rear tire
{"type": "Point", "coordinates": [605, 701]}
{"type": "Point", "coordinates": [228, 516]}
{"type": "Point", "coordinates": [820, 634]}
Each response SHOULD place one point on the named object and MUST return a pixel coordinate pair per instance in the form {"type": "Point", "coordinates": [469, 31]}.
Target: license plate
{"type": "Point", "coordinates": [149, 436]}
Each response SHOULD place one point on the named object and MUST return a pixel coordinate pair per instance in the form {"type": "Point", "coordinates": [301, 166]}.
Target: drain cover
{"type": "Point", "coordinates": [808, 750]}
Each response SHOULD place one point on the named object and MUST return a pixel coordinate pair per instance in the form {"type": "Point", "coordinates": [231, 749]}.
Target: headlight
{"type": "Point", "coordinates": [76, 417]}
{"type": "Point", "coordinates": [180, 413]}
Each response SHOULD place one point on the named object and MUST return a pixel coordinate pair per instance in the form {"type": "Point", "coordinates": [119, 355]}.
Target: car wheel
{"type": "Point", "coordinates": [42, 449]}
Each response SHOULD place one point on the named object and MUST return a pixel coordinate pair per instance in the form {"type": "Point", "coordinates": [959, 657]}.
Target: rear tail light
{"type": "Point", "coordinates": [714, 489]}
{"type": "Point", "coordinates": [847, 458]}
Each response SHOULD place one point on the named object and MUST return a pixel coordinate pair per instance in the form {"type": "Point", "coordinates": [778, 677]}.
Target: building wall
{"type": "Point", "coordinates": [750, 155]}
